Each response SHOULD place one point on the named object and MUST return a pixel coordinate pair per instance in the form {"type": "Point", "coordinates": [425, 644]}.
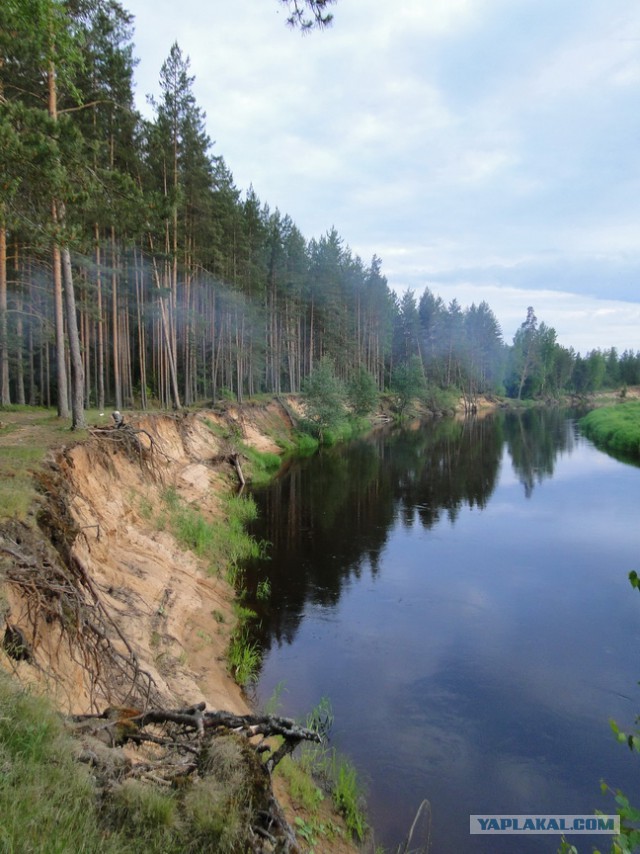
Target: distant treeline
{"type": "Point", "coordinates": [133, 271]}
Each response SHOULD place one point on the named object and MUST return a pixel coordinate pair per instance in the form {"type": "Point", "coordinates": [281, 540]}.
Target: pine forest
{"type": "Point", "coordinates": [134, 273]}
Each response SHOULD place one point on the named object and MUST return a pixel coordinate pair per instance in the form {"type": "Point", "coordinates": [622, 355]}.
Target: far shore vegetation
{"type": "Point", "coordinates": [615, 428]}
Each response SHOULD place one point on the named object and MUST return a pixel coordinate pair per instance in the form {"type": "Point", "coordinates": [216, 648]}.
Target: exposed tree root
{"type": "Point", "coordinates": [53, 593]}
{"type": "Point", "coordinates": [127, 438]}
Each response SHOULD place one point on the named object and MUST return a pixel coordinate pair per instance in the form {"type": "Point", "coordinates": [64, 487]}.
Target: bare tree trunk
{"type": "Point", "coordinates": [63, 392]}
{"type": "Point", "coordinates": [100, 322]}
{"type": "Point", "coordinates": [61, 366]}
{"type": "Point", "coordinates": [126, 355]}
{"type": "Point", "coordinates": [20, 395]}
{"type": "Point", "coordinates": [173, 375]}
{"type": "Point", "coordinates": [30, 344]}
{"type": "Point", "coordinates": [142, 345]}
{"type": "Point", "coordinates": [77, 374]}
{"type": "Point", "coordinates": [239, 356]}
{"type": "Point", "coordinates": [5, 394]}
{"type": "Point", "coordinates": [115, 345]}
{"type": "Point", "coordinates": [85, 340]}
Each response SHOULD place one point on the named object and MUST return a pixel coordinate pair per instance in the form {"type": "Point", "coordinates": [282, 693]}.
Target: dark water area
{"type": "Point", "coordinates": [459, 591]}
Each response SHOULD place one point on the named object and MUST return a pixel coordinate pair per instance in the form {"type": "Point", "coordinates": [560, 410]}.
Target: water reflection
{"type": "Point", "coordinates": [452, 588]}
{"type": "Point", "coordinates": [328, 519]}
{"type": "Point", "coordinates": [534, 440]}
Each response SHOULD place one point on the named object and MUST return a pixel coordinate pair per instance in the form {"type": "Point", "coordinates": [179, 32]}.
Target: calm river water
{"type": "Point", "coordinates": [459, 591]}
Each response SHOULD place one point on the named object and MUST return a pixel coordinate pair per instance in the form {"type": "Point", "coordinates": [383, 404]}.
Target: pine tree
{"type": "Point", "coordinates": [308, 14]}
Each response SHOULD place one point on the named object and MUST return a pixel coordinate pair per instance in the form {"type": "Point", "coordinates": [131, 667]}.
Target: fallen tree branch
{"type": "Point", "coordinates": [195, 720]}
{"type": "Point", "coordinates": [183, 744]}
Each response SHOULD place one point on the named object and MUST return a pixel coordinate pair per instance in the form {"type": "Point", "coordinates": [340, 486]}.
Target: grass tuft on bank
{"type": "Point", "coordinates": [224, 543]}
{"type": "Point", "coordinates": [52, 804]}
{"type": "Point", "coordinates": [615, 428]}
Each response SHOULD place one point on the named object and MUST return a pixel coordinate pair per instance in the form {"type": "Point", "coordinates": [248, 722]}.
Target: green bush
{"type": "Point", "coordinates": [306, 444]}
{"type": "Point", "coordinates": [362, 393]}
{"type": "Point", "coordinates": [324, 398]}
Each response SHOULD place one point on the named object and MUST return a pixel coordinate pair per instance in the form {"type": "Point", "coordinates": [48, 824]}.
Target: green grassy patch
{"type": "Point", "coordinates": [223, 543]}
{"type": "Point", "coordinates": [616, 428]}
{"type": "Point", "coordinates": [346, 430]}
{"type": "Point", "coordinates": [46, 801]}
{"type": "Point", "coordinates": [304, 445]}
{"type": "Point", "coordinates": [258, 466]}
{"type": "Point", "coordinates": [51, 804]}
{"type": "Point", "coordinates": [319, 768]}
{"type": "Point", "coordinates": [17, 489]}
{"type": "Point", "coordinates": [261, 465]}
{"type": "Point", "coordinates": [27, 433]}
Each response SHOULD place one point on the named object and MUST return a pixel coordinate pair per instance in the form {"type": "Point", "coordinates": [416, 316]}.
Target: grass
{"type": "Point", "coordinates": [616, 428]}
{"type": "Point", "coordinates": [348, 796]}
{"type": "Point", "coordinates": [258, 466]}
{"type": "Point", "coordinates": [51, 804]}
{"type": "Point", "coordinates": [321, 768]}
{"type": "Point", "coordinates": [310, 437]}
{"type": "Point", "coordinates": [263, 590]}
{"type": "Point", "coordinates": [304, 445]}
{"type": "Point", "coordinates": [243, 656]}
{"type": "Point", "coordinates": [26, 434]}
{"type": "Point", "coordinates": [17, 491]}
{"type": "Point", "coordinates": [261, 465]}
{"type": "Point", "coordinates": [46, 802]}
{"type": "Point", "coordinates": [303, 789]}
{"type": "Point", "coordinates": [223, 543]}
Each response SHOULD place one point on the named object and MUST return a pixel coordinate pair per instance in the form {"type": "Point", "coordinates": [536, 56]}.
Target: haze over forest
{"type": "Point", "coordinates": [133, 270]}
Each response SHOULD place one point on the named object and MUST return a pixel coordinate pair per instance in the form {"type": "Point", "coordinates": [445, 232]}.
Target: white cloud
{"type": "Point", "coordinates": [492, 140]}
{"type": "Point", "coordinates": [599, 56]}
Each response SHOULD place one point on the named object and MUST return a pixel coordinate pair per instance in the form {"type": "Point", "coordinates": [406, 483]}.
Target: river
{"type": "Point", "coordinates": [459, 591]}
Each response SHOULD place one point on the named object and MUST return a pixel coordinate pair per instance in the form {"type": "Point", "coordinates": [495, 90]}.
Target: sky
{"type": "Point", "coordinates": [486, 149]}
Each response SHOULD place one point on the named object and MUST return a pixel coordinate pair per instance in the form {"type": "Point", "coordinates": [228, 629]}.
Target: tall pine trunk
{"type": "Point", "coordinates": [100, 322]}
{"type": "Point", "coordinates": [5, 395]}
{"type": "Point", "coordinates": [75, 354]}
